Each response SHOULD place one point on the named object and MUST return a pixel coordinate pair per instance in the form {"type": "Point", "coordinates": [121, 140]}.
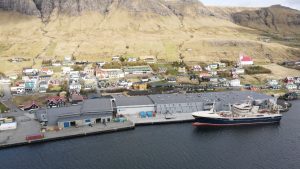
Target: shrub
{"type": "Point", "coordinates": [257, 70]}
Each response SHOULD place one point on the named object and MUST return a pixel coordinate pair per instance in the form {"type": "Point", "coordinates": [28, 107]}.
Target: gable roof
{"type": "Point", "coordinates": [246, 58]}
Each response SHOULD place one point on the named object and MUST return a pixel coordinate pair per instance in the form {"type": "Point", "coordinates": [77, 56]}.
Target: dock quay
{"type": "Point", "coordinates": [161, 119]}
{"type": "Point", "coordinates": [27, 127]}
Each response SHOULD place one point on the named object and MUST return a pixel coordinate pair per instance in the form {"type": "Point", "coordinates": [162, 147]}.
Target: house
{"type": "Point", "coordinates": [106, 74]}
{"type": "Point", "coordinates": [30, 72]}
{"type": "Point", "coordinates": [66, 70]}
{"type": "Point", "coordinates": [89, 83]}
{"type": "Point", "coordinates": [235, 83]}
{"type": "Point", "coordinates": [214, 79]}
{"type": "Point", "coordinates": [213, 66]}
{"type": "Point", "coordinates": [204, 74]}
{"type": "Point", "coordinates": [74, 75]}
{"type": "Point", "coordinates": [132, 59]}
{"type": "Point", "coordinates": [224, 82]}
{"type": "Point", "coordinates": [137, 70]}
{"type": "Point", "coordinates": [273, 82]}
{"type": "Point", "coordinates": [54, 82]}
{"type": "Point", "coordinates": [30, 106]}
{"type": "Point", "coordinates": [221, 65]}
{"type": "Point", "coordinates": [76, 98]}
{"type": "Point", "coordinates": [30, 85]}
{"type": "Point", "coordinates": [181, 69]}
{"type": "Point", "coordinates": [149, 59]}
{"type": "Point", "coordinates": [140, 86]}
{"type": "Point", "coordinates": [43, 86]}
{"type": "Point", "coordinates": [197, 68]}
{"type": "Point", "coordinates": [171, 79]}
{"type": "Point", "coordinates": [245, 60]}
{"type": "Point", "coordinates": [89, 70]}
{"type": "Point", "coordinates": [297, 80]}
{"type": "Point", "coordinates": [56, 63]}
{"type": "Point", "coordinates": [291, 86]}
{"type": "Point", "coordinates": [238, 71]}
{"type": "Point", "coordinates": [18, 89]}
{"type": "Point", "coordinates": [56, 101]}
{"type": "Point", "coordinates": [46, 71]}
{"type": "Point", "coordinates": [100, 64]}
{"type": "Point", "coordinates": [289, 80]}
{"type": "Point", "coordinates": [74, 86]}
{"type": "Point", "coordinates": [162, 70]}
{"type": "Point", "coordinates": [68, 61]}
{"type": "Point", "coordinates": [124, 83]}
{"type": "Point", "coordinates": [115, 58]}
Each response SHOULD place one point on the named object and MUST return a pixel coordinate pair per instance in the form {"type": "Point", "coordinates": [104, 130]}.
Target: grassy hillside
{"type": "Point", "coordinates": [95, 37]}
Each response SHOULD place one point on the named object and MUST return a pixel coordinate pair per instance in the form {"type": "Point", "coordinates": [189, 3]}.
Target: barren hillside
{"type": "Point", "coordinates": [96, 30]}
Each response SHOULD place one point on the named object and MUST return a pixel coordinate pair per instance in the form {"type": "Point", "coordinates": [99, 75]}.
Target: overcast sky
{"type": "Point", "coordinates": [253, 3]}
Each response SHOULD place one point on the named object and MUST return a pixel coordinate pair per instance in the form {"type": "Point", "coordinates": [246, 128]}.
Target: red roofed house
{"type": "Point", "coordinates": [56, 101]}
{"type": "Point", "coordinates": [29, 106]}
{"type": "Point", "coordinates": [245, 60]}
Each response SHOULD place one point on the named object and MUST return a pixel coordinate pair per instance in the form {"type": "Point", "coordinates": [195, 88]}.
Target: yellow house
{"type": "Point", "coordinates": [140, 86]}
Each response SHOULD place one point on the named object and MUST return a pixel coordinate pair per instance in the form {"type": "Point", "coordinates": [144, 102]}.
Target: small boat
{"type": "Point", "coordinates": [252, 116]}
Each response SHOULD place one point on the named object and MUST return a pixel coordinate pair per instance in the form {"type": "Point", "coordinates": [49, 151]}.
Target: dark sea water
{"type": "Point", "coordinates": [176, 146]}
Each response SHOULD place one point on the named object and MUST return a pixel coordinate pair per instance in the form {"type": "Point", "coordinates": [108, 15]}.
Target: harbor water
{"type": "Point", "coordinates": [174, 146]}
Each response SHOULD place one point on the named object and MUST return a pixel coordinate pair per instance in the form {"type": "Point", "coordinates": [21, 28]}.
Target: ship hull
{"type": "Point", "coordinates": [206, 121]}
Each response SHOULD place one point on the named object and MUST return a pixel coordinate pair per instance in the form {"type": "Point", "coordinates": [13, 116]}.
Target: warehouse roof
{"type": "Point", "coordinates": [225, 97]}
{"type": "Point", "coordinates": [91, 107]}
{"type": "Point", "coordinates": [122, 100]}
{"type": "Point", "coordinates": [96, 105]}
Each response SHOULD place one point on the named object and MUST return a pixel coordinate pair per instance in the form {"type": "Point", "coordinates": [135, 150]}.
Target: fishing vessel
{"type": "Point", "coordinates": [241, 114]}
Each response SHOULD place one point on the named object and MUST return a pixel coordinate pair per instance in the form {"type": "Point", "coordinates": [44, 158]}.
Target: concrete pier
{"type": "Point", "coordinates": [161, 119]}
{"type": "Point", "coordinates": [27, 126]}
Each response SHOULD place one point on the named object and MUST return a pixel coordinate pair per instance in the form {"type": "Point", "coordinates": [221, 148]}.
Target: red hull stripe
{"type": "Point", "coordinates": [237, 124]}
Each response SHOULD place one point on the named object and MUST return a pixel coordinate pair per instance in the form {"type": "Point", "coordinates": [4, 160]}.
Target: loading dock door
{"type": "Point", "coordinates": [66, 124]}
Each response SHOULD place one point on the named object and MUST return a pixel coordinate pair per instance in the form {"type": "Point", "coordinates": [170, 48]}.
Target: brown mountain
{"type": "Point", "coordinates": [276, 18]}
{"type": "Point", "coordinates": [98, 29]}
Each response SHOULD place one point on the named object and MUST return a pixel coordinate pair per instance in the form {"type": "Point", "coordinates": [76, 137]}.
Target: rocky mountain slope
{"type": "Point", "coordinates": [275, 19]}
{"type": "Point", "coordinates": [98, 29]}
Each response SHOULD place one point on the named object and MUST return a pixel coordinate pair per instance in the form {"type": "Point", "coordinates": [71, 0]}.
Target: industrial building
{"type": "Point", "coordinates": [184, 103]}
{"type": "Point", "coordinates": [188, 103]}
{"type": "Point", "coordinates": [90, 112]}
{"type": "Point", "coordinates": [133, 105]}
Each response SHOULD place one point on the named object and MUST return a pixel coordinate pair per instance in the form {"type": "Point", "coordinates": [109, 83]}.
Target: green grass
{"type": "Point", "coordinates": [3, 108]}
{"type": "Point", "coordinates": [51, 49]}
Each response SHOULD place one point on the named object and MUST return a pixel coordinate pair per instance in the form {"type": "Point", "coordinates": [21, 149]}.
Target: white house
{"type": "Point", "coordinates": [245, 60]}
{"type": "Point", "coordinates": [105, 74]}
{"type": "Point", "coordinates": [132, 59]}
{"type": "Point", "coordinates": [66, 70]}
{"type": "Point", "coordinates": [238, 71]}
{"type": "Point", "coordinates": [197, 68]}
{"type": "Point", "coordinates": [235, 83]}
{"type": "Point", "coordinates": [73, 86]}
{"type": "Point", "coordinates": [291, 87]}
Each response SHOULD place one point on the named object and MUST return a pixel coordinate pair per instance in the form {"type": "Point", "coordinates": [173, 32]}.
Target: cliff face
{"type": "Point", "coordinates": [27, 7]}
{"type": "Point", "coordinates": [44, 8]}
{"type": "Point", "coordinates": [275, 19]}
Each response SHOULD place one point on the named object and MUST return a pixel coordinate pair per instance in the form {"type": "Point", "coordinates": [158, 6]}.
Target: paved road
{"type": "Point", "coordinates": [7, 101]}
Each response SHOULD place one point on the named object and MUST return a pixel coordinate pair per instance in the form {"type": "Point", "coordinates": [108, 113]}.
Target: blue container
{"type": "Point", "coordinates": [143, 114]}
{"type": "Point", "coordinates": [150, 114]}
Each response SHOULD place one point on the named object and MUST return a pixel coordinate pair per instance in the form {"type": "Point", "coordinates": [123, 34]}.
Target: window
{"type": "Point", "coordinates": [87, 120]}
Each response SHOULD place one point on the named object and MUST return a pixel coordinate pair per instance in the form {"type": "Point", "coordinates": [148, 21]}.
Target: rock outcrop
{"type": "Point", "coordinates": [44, 8]}
{"type": "Point", "coordinates": [275, 19]}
